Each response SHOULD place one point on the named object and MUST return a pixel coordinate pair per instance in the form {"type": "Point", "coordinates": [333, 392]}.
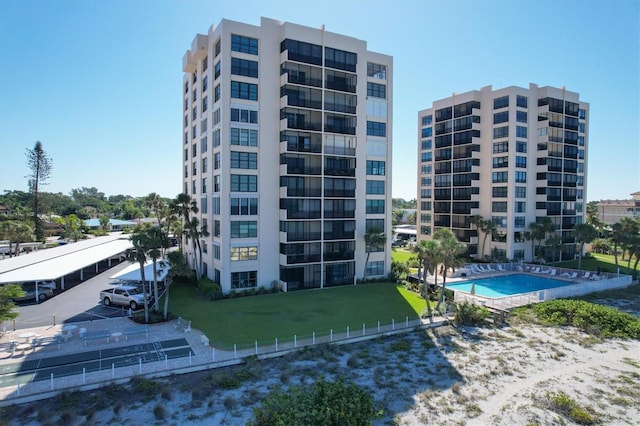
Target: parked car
{"type": "Point", "coordinates": [30, 293]}
{"type": "Point", "coordinates": [125, 295]}
{"type": "Point", "coordinates": [50, 284]}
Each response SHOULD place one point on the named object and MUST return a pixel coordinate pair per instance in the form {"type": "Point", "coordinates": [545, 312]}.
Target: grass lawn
{"type": "Point", "coordinates": [605, 262]}
{"type": "Point", "coordinates": [283, 315]}
{"type": "Point", "coordinates": [401, 255]}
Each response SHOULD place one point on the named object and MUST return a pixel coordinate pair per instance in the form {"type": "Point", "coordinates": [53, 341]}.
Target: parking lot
{"type": "Point", "coordinates": [78, 303]}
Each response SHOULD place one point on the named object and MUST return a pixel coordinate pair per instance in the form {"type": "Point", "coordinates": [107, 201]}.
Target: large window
{"type": "Point", "coordinates": [499, 191]}
{"type": "Point", "coordinates": [245, 206]}
{"type": "Point", "coordinates": [244, 160]}
{"type": "Point", "coordinates": [521, 162]}
{"type": "Point", "coordinates": [244, 115]}
{"type": "Point", "coordinates": [521, 177]}
{"type": "Point", "coordinates": [521, 101]}
{"type": "Point", "coordinates": [500, 117]}
{"type": "Point", "coordinates": [375, 90]}
{"type": "Point", "coordinates": [375, 268]}
{"type": "Point", "coordinates": [239, 254]}
{"type": "Point", "coordinates": [244, 67]}
{"type": "Point", "coordinates": [244, 228]}
{"type": "Point", "coordinates": [375, 206]}
{"type": "Point", "coordinates": [240, 90]}
{"type": "Point", "coordinates": [376, 71]}
{"type": "Point", "coordinates": [244, 183]}
{"type": "Point", "coordinates": [521, 192]}
{"type": "Point", "coordinates": [521, 132]}
{"type": "Point", "coordinates": [340, 59]}
{"type": "Point", "coordinates": [246, 279]}
{"type": "Point", "coordinates": [375, 128]}
{"type": "Point", "coordinates": [499, 147]}
{"type": "Point", "coordinates": [499, 162]}
{"type": "Point", "coordinates": [375, 168]}
{"type": "Point", "coordinates": [501, 132]}
{"type": "Point", "coordinates": [521, 116]}
{"type": "Point", "coordinates": [501, 102]}
{"type": "Point", "coordinates": [243, 137]}
{"type": "Point", "coordinates": [375, 187]}
{"type": "Point", "coordinates": [497, 177]}
{"type": "Point", "coordinates": [244, 44]}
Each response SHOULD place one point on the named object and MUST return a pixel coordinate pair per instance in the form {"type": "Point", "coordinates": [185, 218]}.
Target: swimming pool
{"type": "Point", "coordinates": [507, 285]}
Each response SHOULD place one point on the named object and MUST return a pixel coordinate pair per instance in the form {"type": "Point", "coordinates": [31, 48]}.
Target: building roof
{"type": "Point", "coordinates": [92, 223]}
{"type": "Point", "coordinates": [56, 262]}
{"type": "Point", "coordinates": [132, 272]}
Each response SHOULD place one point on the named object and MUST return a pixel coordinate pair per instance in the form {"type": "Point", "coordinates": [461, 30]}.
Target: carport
{"type": "Point", "coordinates": [132, 272]}
{"type": "Point", "coordinates": [58, 262]}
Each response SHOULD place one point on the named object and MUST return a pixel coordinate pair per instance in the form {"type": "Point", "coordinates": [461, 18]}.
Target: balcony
{"type": "Point", "coordinates": [339, 235]}
{"type": "Point", "coordinates": [302, 236]}
{"type": "Point", "coordinates": [298, 124]}
{"type": "Point", "coordinates": [344, 255]}
{"type": "Point", "coordinates": [302, 258]}
{"type": "Point", "coordinates": [341, 193]}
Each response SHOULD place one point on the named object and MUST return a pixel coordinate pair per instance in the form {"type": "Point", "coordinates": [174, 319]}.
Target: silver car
{"type": "Point", "coordinates": [44, 292]}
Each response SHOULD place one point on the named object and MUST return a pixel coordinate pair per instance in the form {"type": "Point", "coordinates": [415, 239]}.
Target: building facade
{"type": "Point", "coordinates": [612, 211]}
{"type": "Point", "coordinates": [287, 152]}
{"type": "Point", "coordinates": [513, 156]}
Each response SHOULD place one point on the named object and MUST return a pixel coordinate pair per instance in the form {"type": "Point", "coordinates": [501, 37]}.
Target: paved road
{"type": "Point", "coordinates": [80, 303]}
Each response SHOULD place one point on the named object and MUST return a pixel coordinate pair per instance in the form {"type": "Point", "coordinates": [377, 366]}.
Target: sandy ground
{"type": "Point", "coordinates": [515, 375]}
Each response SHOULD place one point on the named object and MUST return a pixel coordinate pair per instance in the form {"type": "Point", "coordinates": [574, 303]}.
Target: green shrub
{"type": "Point", "coordinates": [590, 317]}
{"type": "Point", "coordinates": [210, 290]}
{"type": "Point", "coordinates": [323, 403]}
{"type": "Point", "coordinates": [470, 314]}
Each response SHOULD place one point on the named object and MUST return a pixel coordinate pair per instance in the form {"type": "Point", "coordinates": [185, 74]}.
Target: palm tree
{"type": "Point", "coordinates": [536, 234]}
{"type": "Point", "coordinates": [547, 227]}
{"type": "Point", "coordinates": [477, 221]}
{"type": "Point", "coordinates": [488, 228]}
{"type": "Point", "coordinates": [554, 242]}
{"type": "Point", "coordinates": [195, 232]}
{"type": "Point", "coordinates": [450, 248]}
{"type": "Point", "coordinates": [157, 242]}
{"type": "Point", "coordinates": [617, 237]}
{"type": "Point", "coordinates": [630, 230]}
{"type": "Point", "coordinates": [583, 233]}
{"type": "Point", "coordinates": [373, 239]}
{"type": "Point", "coordinates": [138, 254]}
{"type": "Point", "coordinates": [428, 255]}
{"type": "Point", "coordinates": [184, 206]}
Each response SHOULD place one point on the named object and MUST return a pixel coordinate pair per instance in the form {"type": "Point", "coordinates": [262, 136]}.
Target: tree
{"type": "Point", "coordinates": [7, 293]}
{"type": "Point", "coordinates": [104, 222]}
{"type": "Point", "coordinates": [554, 242]}
{"type": "Point", "coordinates": [428, 254]}
{"type": "Point", "coordinates": [399, 269]}
{"type": "Point", "coordinates": [450, 248]}
{"type": "Point", "coordinates": [138, 254]}
{"type": "Point", "coordinates": [630, 231]}
{"type": "Point", "coordinates": [16, 232]}
{"type": "Point", "coordinates": [617, 237]}
{"type": "Point", "coordinates": [373, 239]}
{"type": "Point", "coordinates": [183, 205]}
{"type": "Point", "coordinates": [583, 233]}
{"type": "Point", "coordinates": [179, 269]}
{"type": "Point", "coordinates": [157, 241]}
{"type": "Point", "coordinates": [40, 165]}
{"type": "Point", "coordinates": [535, 233]}
{"type": "Point", "coordinates": [486, 227]}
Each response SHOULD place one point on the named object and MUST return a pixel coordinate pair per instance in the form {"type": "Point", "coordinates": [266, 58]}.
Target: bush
{"type": "Point", "coordinates": [210, 290]}
{"type": "Point", "coordinates": [592, 318]}
{"type": "Point", "coordinates": [323, 403]}
{"type": "Point", "coordinates": [470, 314]}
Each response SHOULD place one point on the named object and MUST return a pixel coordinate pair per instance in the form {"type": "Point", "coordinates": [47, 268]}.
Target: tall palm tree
{"type": "Point", "coordinates": [450, 248]}
{"type": "Point", "coordinates": [375, 237]}
{"type": "Point", "coordinates": [428, 255]}
{"type": "Point", "coordinates": [138, 254]}
{"type": "Point", "coordinates": [478, 221]}
{"type": "Point", "coordinates": [195, 232]}
{"type": "Point", "coordinates": [554, 242]}
{"type": "Point", "coordinates": [184, 206]}
{"type": "Point", "coordinates": [488, 228]}
{"type": "Point", "coordinates": [537, 234]}
{"type": "Point", "coordinates": [617, 237]}
{"type": "Point", "coordinates": [630, 230]}
{"type": "Point", "coordinates": [583, 233]}
{"type": "Point", "coordinates": [547, 227]}
{"type": "Point", "coordinates": [157, 241]}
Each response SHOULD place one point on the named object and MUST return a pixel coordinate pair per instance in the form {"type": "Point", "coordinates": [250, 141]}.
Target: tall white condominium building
{"type": "Point", "coordinates": [287, 152]}
{"type": "Point", "coordinates": [514, 156]}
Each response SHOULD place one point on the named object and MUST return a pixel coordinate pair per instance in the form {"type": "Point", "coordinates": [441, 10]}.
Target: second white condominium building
{"type": "Point", "coordinates": [287, 152]}
{"type": "Point", "coordinates": [513, 156]}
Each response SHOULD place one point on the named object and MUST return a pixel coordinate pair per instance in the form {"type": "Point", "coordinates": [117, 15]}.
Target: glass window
{"type": "Point", "coordinates": [244, 116]}
{"type": "Point", "coordinates": [217, 47]}
{"type": "Point", "coordinates": [501, 102]}
{"type": "Point", "coordinates": [377, 71]}
{"type": "Point", "coordinates": [245, 206]}
{"type": "Point", "coordinates": [240, 90]}
{"type": "Point", "coordinates": [521, 161]}
{"type": "Point", "coordinates": [215, 204]}
{"type": "Point", "coordinates": [521, 101]}
{"type": "Point", "coordinates": [375, 206]}
{"type": "Point", "coordinates": [375, 187]}
{"type": "Point", "coordinates": [216, 70]}
{"type": "Point", "coordinates": [216, 251]}
{"type": "Point", "coordinates": [239, 254]}
{"type": "Point", "coordinates": [500, 147]}
{"type": "Point", "coordinates": [244, 229]}
{"type": "Point", "coordinates": [244, 67]}
{"type": "Point", "coordinates": [499, 162]}
{"type": "Point", "coordinates": [521, 177]}
{"type": "Point", "coordinates": [499, 192]}
{"type": "Point", "coordinates": [375, 168]}
{"type": "Point", "coordinates": [340, 59]}
{"type": "Point", "coordinates": [244, 160]}
{"type": "Point", "coordinates": [244, 183]}
{"type": "Point", "coordinates": [520, 207]}
{"type": "Point", "coordinates": [375, 128]}
{"type": "Point", "coordinates": [521, 192]}
{"type": "Point", "coordinates": [521, 116]}
{"type": "Point", "coordinates": [375, 268]}
{"type": "Point", "coordinates": [243, 137]}
{"type": "Point", "coordinates": [497, 177]}
{"type": "Point", "coordinates": [375, 90]}
{"type": "Point", "coordinates": [521, 132]}
{"type": "Point", "coordinates": [244, 44]}
{"type": "Point", "coordinates": [500, 117]}
{"type": "Point", "coordinates": [521, 146]}
{"type": "Point", "coordinates": [427, 120]}
{"type": "Point", "coordinates": [519, 222]}
{"type": "Point", "coordinates": [499, 207]}
{"type": "Point", "coordinates": [216, 93]}
{"type": "Point", "coordinates": [244, 279]}
{"type": "Point", "coordinates": [501, 132]}
{"type": "Point", "coordinates": [205, 83]}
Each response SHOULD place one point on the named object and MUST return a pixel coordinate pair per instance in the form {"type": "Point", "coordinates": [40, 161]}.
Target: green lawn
{"type": "Point", "coordinates": [605, 262]}
{"type": "Point", "coordinates": [401, 255]}
{"type": "Point", "coordinates": [283, 315]}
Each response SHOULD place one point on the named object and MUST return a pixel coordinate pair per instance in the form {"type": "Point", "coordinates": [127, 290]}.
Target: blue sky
{"type": "Point", "coordinates": [99, 82]}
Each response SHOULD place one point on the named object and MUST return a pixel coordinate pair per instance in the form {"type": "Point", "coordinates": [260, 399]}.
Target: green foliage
{"type": "Point", "coordinates": [7, 292]}
{"type": "Point", "coordinates": [565, 405]}
{"type": "Point", "coordinates": [470, 314]}
{"type": "Point", "coordinates": [210, 290]}
{"type": "Point", "coordinates": [592, 318]}
{"type": "Point", "coordinates": [323, 403]}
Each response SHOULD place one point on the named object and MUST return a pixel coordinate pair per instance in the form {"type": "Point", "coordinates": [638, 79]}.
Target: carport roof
{"type": "Point", "coordinates": [59, 261]}
{"type": "Point", "coordinates": [132, 272]}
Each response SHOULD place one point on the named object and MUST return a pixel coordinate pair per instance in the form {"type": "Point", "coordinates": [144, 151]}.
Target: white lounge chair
{"type": "Point", "coordinates": [565, 274]}
{"type": "Point", "coordinates": [552, 272]}
{"type": "Point", "coordinates": [501, 268]}
{"type": "Point", "coordinates": [573, 276]}
{"type": "Point", "coordinates": [536, 270]}
{"type": "Point", "coordinates": [490, 269]}
{"type": "Point", "coordinates": [481, 269]}
{"type": "Point", "coordinates": [585, 276]}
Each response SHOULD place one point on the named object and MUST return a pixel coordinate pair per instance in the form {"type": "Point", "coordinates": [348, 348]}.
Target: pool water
{"type": "Point", "coordinates": [507, 285]}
